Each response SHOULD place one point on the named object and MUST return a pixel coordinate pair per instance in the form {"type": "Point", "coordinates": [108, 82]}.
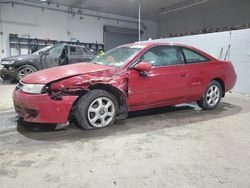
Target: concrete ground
{"type": "Point", "coordinates": [168, 147]}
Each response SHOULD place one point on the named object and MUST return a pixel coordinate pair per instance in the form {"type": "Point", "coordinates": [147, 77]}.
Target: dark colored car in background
{"type": "Point", "coordinates": [16, 67]}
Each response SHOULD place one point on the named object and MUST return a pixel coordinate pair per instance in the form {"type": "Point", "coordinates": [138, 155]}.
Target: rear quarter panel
{"type": "Point", "coordinates": [200, 75]}
{"type": "Point", "coordinates": [230, 75]}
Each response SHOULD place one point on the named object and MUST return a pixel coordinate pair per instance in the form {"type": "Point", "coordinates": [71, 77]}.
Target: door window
{"type": "Point", "coordinates": [56, 51]}
{"type": "Point", "coordinates": [193, 57]}
{"type": "Point", "coordinates": [163, 56]}
{"type": "Point", "coordinates": [76, 51]}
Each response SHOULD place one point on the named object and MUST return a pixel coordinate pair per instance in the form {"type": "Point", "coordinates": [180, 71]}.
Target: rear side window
{"type": "Point", "coordinates": [193, 57]}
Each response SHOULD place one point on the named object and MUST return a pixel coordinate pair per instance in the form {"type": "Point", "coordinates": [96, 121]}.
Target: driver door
{"type": "Point", "coordinates": [165, 83]}
{"type": "Point", "coordinates": [52, 58]}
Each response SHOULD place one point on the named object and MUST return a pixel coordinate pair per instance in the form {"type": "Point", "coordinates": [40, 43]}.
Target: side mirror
{"type": "Point", "coordinates": [143, 66]}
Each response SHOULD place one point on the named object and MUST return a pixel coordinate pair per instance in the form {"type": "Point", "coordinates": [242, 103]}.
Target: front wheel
{"type": "Point", "coordinates": [25, 70]}
{"type": "Point", "coordinates": [96, 109]}
{"type": "Point", "coordinates": [212, 96]}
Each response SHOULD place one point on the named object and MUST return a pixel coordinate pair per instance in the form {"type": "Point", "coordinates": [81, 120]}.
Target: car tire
{"type": "Point", "coordinates": [96, 109]}
{"type": "Point", "coordinates": [24, 71]}
{"type": "Point", "coordinates": [212, 96]}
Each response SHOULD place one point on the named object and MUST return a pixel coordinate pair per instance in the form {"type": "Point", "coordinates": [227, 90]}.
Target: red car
{"type": "Point", "coordinates": [130, 77]}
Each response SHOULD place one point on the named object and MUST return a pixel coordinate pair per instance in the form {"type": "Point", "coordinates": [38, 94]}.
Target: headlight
{"type": "Point", "coordinates": [7, 62]}
{"type": "Point", "coordinates": [33, 88]}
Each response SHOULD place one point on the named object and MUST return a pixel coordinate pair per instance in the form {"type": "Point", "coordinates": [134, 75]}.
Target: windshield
{"type": "Point", "coordinates": [42, 50]}
{"type": "Point", "coordinates": [118, 56]}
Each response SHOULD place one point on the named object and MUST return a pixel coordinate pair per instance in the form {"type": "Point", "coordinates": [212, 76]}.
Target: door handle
{"type": "Point", "coordinates": [184, 75]}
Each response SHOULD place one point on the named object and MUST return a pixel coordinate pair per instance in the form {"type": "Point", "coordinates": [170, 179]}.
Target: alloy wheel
{"type": "Point", "coordinates": [25, 71]}
{"type": "Point", "coordinates": [101, 112]}
{"type": "Point", "coordinates": [213, 95]}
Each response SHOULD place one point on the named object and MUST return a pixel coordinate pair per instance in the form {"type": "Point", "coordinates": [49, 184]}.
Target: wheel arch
{"type": "Point", "coordinates": [18, 68]}
{"type": "Point", "coordinates": [24, 64]}
{"type": "Point", "coordinates": [119, 94]}
{"type": "Point", "coordinates": [222, 83]}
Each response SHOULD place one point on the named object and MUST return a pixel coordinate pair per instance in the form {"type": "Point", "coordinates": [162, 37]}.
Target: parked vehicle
{"type": "Point", "coordinates": [16, 67]}
{"type": "Point", "coordinates": [128, 78]}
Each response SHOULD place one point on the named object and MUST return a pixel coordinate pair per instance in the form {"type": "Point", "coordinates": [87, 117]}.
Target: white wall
{"type": "Point", "coordinates": [55, 25]}
{"type": "Point", "coordinates": [239, 53]}
{"type": "Point", "coordinates": [213, 14]}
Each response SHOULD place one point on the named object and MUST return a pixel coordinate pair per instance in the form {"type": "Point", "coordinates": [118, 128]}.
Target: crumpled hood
{"type": "Point", "coordinates": [21, 57]}
{"type": "Point", "coordinates": [57, 73]}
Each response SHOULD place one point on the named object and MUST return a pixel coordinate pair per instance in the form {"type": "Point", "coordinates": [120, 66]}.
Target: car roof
{"type": "Point", "coordinates": [74, 45]}
{"type": "Point", "coordinates": [156, 43]}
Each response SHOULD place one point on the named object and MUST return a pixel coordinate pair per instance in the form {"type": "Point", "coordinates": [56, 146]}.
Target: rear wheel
{"type": "Point", "coordinates": [96, 109]}
{"type": "Point", "coordinates": [212, 96]}
{"type": "Point", "coordinates": [25, 70]}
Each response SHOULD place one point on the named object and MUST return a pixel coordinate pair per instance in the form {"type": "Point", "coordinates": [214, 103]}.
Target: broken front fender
{"type": "Point", "coordinates": [113, 82]}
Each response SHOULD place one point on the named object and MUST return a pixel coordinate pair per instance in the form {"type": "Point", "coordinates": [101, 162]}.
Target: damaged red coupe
{"type": "Point", "coordinates": [131, 77]}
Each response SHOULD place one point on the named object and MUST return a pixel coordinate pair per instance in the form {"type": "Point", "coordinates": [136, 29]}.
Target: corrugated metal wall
{"type": "Point", "coordinates": [116, 36]}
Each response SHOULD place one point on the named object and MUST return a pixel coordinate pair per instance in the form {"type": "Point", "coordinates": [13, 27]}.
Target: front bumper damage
{"type": "Point", "coordinates": [41, 108]}
{"type": "Point", "coordinates": [56, 105]}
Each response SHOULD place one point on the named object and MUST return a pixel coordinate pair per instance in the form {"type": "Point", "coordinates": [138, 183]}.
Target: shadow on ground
{"type": "Point", "coordinates": [137, 122]}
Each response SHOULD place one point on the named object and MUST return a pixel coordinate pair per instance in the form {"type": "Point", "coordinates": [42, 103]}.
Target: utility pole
{"type": "Point", "coordinates": [139, 21]}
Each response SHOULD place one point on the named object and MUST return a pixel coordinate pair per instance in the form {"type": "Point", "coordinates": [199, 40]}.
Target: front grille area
{"type": "Point", "coordinates": [26, 113]}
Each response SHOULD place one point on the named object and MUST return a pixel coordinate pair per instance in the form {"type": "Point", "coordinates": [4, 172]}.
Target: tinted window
{"type": "Point", "coordinates": [163, 56]}
{"type": "Point", "coordinates": [76, 51]}
{"type": "Point", "coordinates": [193, 57]}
